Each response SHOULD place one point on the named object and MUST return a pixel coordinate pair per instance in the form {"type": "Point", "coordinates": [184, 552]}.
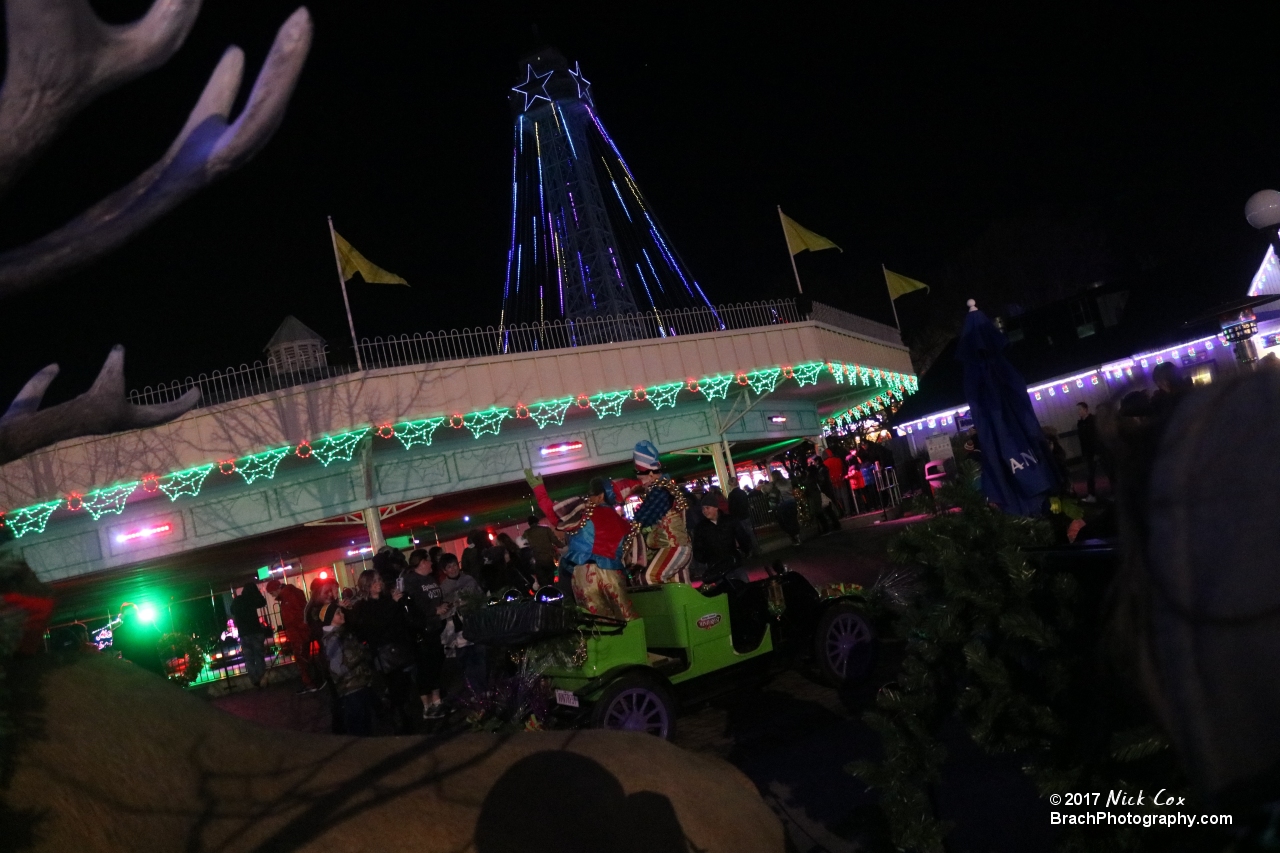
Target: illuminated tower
{"type": "Point", "coordinates": [584, 241]}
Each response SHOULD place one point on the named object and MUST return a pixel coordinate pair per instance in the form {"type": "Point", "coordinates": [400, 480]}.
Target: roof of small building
{"type": "Point", "coordinates": [292, 331]}
{"type": "Point", "coordinates": [1158, 308]}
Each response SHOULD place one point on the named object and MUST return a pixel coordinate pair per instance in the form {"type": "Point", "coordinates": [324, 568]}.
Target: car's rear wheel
{"type": "Point", "coordinates": [635, 703]}
{"type": "Point", "coordinates": [844, 644]}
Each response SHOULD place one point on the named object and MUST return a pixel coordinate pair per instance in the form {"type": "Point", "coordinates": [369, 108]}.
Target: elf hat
{"type": "Point", "coordinates": [646, 457]}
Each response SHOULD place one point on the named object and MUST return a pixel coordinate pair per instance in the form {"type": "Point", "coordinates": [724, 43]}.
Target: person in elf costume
{"type": "Point", "coordinates": [661, 514]}
{"type": "Point", "coordinates": [598, 547]}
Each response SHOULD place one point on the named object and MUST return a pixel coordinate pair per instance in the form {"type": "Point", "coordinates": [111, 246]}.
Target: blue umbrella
{"type": "Point", "coordinates": [1016, 470]}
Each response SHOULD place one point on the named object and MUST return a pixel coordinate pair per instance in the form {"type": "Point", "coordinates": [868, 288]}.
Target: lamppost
{"type": "Point", "coordinates": [1262, 211]}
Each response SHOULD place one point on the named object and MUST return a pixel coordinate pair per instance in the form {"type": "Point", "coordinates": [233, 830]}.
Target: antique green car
{"type": "Point", "coordinates": [690, 644]}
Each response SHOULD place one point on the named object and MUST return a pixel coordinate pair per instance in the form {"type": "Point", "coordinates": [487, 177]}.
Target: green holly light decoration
{"type": "Point", "coordinates": [185, 483]}
{"type": "Point", "coordinates": [715, 387]}
{"type": "Point", "coordinates": [550, 412]}
{"type": "Point", "coordinates": [262, 464]}
{"type": "Point", "coordinates": [488, 422]}
{"type": "Point", "coordinates": [417, 432]}
{"type": "Point", "coordinates": [609, 403]}
{"type": "Point", "coordinates": [112, 499]}
{"type": "Point", "coordinates": [765, 380]}
{"type": "Point", "coordinates": [189, 482]}
{"type": "Point", "coordinates": [30, 519]}
{"type": "Point", "coordinates": [807, 374]}
{"type": "Point", "coordinates": [338, 447]}
{"type": "Point", "coordinates": [664, 395]}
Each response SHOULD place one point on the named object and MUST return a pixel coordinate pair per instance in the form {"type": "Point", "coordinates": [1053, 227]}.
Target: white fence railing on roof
{"type": "Point", "coordinates": [259, 378]}
{"type": "Point", "coordinates": [853, 323]}
{"type": "Point", "coordinates": [563, 334]}
{"type": "Point", "coordinates": [234, 383]}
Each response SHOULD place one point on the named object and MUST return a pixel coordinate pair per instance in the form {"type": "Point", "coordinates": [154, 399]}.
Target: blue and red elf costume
{"type": "Point", "coordinates": [661, 516]}
{"type": "Point", "coordinates": [600, 543]}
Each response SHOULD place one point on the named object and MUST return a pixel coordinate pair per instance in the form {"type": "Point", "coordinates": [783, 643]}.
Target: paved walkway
{"type": "Point", "coordinates": [792, 736]}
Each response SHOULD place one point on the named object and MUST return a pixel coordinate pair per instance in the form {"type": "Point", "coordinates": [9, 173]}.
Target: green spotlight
{"type": "Point", "coordinates": [147, 613]}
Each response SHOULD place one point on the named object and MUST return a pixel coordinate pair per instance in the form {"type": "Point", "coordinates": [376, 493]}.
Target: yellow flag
{"type": "Point", "coordinates": [800, 238]}
{"type": "Point", "coordinates": [900, 284]}
{"type": "Point", "coordinates": [353, 262]}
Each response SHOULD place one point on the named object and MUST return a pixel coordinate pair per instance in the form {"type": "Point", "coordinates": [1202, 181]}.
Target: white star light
{"type": "Point", "coordinates": [534, 87]}
{"type": "Point", "coordinates": [584, 85]}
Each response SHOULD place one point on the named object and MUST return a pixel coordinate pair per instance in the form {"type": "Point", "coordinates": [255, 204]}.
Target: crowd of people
{"type": "Point", "coordinates": [392, 647]}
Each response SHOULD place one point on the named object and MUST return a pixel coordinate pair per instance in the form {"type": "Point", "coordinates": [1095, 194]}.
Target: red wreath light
{"type": "Point", "coordinates": [227, 466]}
{"type": "Point", "coordinates": [386, 431]}
{"type": "Point", "coordinates": [456, 421]}
{"type": "Point", "coordinates": [151, 484]}
{"type": "Point", "coordinates": [742, 378]}
{"type": "Point", "coordinates": [583, 401]}
{"type": "Point", "coordinates": [787, 372]}
{"type": "Point", "coordinates": [691, 384]}
{"type": "Point", "coordinates": [522, 411]}
{"type": "Point", "coordinates": [639, 394]}
{"type": "Point", "coordinates": [303, 450]}
{"type": "Point", "coordinates": [75, 501]}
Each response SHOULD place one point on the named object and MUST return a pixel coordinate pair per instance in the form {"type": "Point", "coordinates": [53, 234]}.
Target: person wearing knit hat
{"type": "Point", "coordinates": [661, 515]}
{"type": "Point", "coordinates": [645, 456]}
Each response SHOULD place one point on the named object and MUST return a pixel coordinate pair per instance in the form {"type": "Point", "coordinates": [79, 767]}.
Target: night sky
{"type": "Point", "coordinates": [962, 148]}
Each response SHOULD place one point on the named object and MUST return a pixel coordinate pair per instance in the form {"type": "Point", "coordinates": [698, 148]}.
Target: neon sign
{"type": "Point", "coordinates": [144, 533]}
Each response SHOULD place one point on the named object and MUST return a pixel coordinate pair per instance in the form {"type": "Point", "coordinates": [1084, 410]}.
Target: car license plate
{"type": "Point", "coordinates": [566, 697]}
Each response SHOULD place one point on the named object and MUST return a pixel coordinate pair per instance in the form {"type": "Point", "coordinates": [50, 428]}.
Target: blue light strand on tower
{"type": "Point", "coordinates": [595, 247]}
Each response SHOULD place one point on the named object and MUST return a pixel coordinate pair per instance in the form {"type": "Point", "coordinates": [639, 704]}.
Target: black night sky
{"type": "Point", "coordinates": [960, 147]}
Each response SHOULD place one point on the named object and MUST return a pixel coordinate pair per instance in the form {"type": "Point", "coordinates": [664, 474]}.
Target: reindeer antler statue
{"type": "Point", "coordinates": [61, 57]}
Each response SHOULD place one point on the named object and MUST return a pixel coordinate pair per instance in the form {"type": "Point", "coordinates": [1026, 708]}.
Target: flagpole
{"type": "Point", "coordinates": [783, 223]}
{"type": "Point", "coordinates": [345, 301]}
{"type": "Point", "coordinates": [892, 304]}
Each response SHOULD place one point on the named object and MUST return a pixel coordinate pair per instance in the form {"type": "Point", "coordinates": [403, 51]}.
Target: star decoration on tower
{"type": "Point", "coordinates": [534, 86]}
{"type": "Point", "coordinates": [583, 84]}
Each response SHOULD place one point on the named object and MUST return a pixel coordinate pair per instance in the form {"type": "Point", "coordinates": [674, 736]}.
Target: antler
{"type": "Point", "coordinates": [61, 57]}
{"type": "Point", "coordinates": [100, 410]}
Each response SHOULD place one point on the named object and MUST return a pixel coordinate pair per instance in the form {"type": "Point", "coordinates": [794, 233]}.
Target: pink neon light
{"type": "Point", "coordinates": [144, 533]}
{"type": "Point", "coordinates": [562, 447]}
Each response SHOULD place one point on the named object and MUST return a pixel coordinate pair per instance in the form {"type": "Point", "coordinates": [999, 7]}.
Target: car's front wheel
{"type": "Point", "coordinates": [844, 644]}
{"type": "Point", "coordinates": [635, 703]}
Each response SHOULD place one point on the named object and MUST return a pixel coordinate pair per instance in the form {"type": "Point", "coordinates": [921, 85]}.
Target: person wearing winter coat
{"type": "Point", "coordinates": [351, 670]}
{"type": "Point", "coordinates": [426, 608]}
{"type": "Point", "coordinates": [456, 589]}
{"type": "Point", "coordinates": [253, 634]}
{"type": "Point", "coordinates": [293, 606]}
{"type": "Point", "coordinates": [381, 621]}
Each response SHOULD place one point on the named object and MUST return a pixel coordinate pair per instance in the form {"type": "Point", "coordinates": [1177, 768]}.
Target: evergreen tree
{"type": "Point", "coordinates": [1007, 642]}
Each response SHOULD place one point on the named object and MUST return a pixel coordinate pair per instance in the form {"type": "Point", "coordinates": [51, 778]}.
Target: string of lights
{"type": "Point", "coordinates": [340, 447]}
{"type": "Point", "coordinates": [584, 240]}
